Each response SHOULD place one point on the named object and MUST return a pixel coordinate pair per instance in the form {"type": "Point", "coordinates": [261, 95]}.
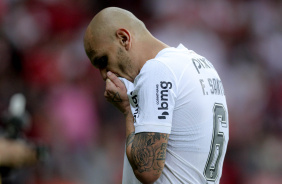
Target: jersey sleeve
{"type": "Point", "coordinates": [153, 98]}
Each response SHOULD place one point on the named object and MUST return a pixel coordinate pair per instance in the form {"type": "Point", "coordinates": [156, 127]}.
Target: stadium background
{"type": "Point", "coordinates": [42, 56]}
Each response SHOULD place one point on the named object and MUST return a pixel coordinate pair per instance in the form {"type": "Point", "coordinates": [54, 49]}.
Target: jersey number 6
{"type": "Point", "coordinates": [219, 119]}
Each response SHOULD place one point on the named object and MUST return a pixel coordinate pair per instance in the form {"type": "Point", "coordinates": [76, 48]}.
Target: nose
{"type": "Point", "coordinates": [103, 73]}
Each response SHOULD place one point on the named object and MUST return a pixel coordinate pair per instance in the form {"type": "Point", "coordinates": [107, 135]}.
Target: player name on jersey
{"type": "Point", "coordinates": [211, 86]}
{"type": "Point", "coordinates": [201, 63]}
{"type": "Point", "coordinates": [214, 86]}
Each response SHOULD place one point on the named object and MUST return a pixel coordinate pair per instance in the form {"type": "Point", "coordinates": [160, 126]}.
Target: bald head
{"type": "Point", "coordinates": [117, 41]}
{"type": "Point", "coordinates": [104, 25]}
{"type": "Point", "coordinates": [114, 18]}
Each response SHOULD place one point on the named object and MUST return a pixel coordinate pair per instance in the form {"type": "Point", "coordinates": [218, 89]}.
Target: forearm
{"type": "Point", "coordinates": [145, 152]}
{"type": "Point", "coordinates": [130, 134]}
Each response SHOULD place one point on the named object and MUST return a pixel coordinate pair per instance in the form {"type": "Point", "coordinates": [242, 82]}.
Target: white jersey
{"type": "Point", "coordinates": [180, 93]}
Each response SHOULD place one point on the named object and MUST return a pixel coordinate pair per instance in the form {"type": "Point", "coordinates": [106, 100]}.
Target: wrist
{"type": "Point", "coordinates": [127, 113]}
{"type": "Point", "coordinates": [129, 123]}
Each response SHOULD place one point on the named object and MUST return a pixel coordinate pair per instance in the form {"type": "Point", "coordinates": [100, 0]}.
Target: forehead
{"type": "Point", "coordinates": [92, 48]}
{"type": "Point", "coordinates": [96, 52]}
{"type": "Point", "coordinates": [97, 55]}
{"type": "Point", "coordinates": [97, 45]}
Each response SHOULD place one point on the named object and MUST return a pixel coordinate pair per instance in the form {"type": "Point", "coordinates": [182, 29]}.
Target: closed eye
{"type": "Point", "coordinates": [101, 62]}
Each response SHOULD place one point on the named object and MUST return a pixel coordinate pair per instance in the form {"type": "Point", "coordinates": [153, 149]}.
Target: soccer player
{"type": "Point", "coordinates": [175, 110]}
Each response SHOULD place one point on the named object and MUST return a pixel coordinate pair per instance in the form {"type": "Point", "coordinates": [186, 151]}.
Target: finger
{"type": "Point", "coordinates": [111, 89]}
{"type": "Point", "coordinates": [110, 86]}
{"type": "Point", "coordinates": [115, 79]}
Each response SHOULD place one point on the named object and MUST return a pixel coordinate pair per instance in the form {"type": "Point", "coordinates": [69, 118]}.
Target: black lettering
{"type": "Point", "coordinates": [204, 63]}
{"type": "Point", "coordinates": [164, 106]}
{"type": "Point", "coordinates": [203, 87]}
{"type": "Point", "coordinates": [161, 117]}
{"type": "Point", "coordinates": [201, 63]}
{"type": "Point", "coordinates": [164, 93]}
{"type": "Point", "coordinates": [197, 66]}
{"type": "Point", "coordinates": [136, 111]}
{"type": "Point", "coordinates": [214, 86]}
{"type": "Point", "coordinates": [157, 94]}
{"type": "Point", "coordinates": [164, 85]}
{"type": "Point", "coordinates": [211, 85]}
{"type": "Point", "coordinates": [164, 114]}
{"type": "Point", "coordinates": [134, 99]}
{"type": "Point", "coordinates": [222, 89]}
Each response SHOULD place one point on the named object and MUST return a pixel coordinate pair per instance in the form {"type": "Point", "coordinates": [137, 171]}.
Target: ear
{"type": "Point", "coordinates": [124, 37]}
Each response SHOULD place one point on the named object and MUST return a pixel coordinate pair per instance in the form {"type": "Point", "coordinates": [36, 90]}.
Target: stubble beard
{"type": "Point", "coordinates": [125, 64]}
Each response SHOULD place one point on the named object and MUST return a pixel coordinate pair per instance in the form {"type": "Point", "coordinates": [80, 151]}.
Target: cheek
{"type": "Point", "coordinates": [123, 62]}
{"type": "Point", "coordinates": [121, 67]}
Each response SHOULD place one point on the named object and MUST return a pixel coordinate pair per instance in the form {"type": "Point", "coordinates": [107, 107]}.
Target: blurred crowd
{"type": "Point", "coordinates": [42, 56]}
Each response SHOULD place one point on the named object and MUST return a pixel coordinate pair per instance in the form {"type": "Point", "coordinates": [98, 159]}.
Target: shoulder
{"type": "Point", "coordinates": [155, 67]}
{"type": "Point", "coordinates": [154, 72]}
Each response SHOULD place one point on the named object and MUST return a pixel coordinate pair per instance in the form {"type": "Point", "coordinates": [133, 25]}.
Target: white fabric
{"type": "Point", "coordinates": [180, 93]}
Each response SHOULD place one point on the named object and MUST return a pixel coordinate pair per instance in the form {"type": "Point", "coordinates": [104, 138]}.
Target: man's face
{"type": "Point", "coordinates": [108, 56]}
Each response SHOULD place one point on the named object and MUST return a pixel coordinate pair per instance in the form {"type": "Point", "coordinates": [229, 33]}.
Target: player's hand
{"type": "Point", "coordinates": [116, 94]}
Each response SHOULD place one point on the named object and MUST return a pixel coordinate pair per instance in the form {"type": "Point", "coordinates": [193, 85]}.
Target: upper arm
{"type": "Point", "coordinates": [148, 152]}
{"type": "Point", "coordinates": [152, 101]}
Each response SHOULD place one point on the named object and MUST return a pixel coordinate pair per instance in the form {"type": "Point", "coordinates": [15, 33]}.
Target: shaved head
{"type": "Point", "coordinates": [103, 26]}
{"type": "Point", "coordinates": [117, 41]}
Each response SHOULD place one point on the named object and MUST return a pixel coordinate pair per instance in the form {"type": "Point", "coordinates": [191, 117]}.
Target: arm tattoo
{"type": "Point", "coordinates": [130, 139]}
{"type": "Point", "coordinates": [116, 98]}
{"type": "Point", "coordinates": [148, 152]}
{"type": "Point", "coordinates": [161, 154]}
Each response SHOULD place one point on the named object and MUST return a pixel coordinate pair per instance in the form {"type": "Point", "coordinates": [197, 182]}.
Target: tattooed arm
{"type": "Point", "coordinates": [146, 154]}
{"type": "Point", "coordinates": [145, 151]}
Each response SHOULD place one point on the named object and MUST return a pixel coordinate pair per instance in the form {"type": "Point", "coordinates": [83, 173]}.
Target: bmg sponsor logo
{"type": "Point", "coordinates": [163, 95]}
{"type": "Point", "coordinates": [136, 107]}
